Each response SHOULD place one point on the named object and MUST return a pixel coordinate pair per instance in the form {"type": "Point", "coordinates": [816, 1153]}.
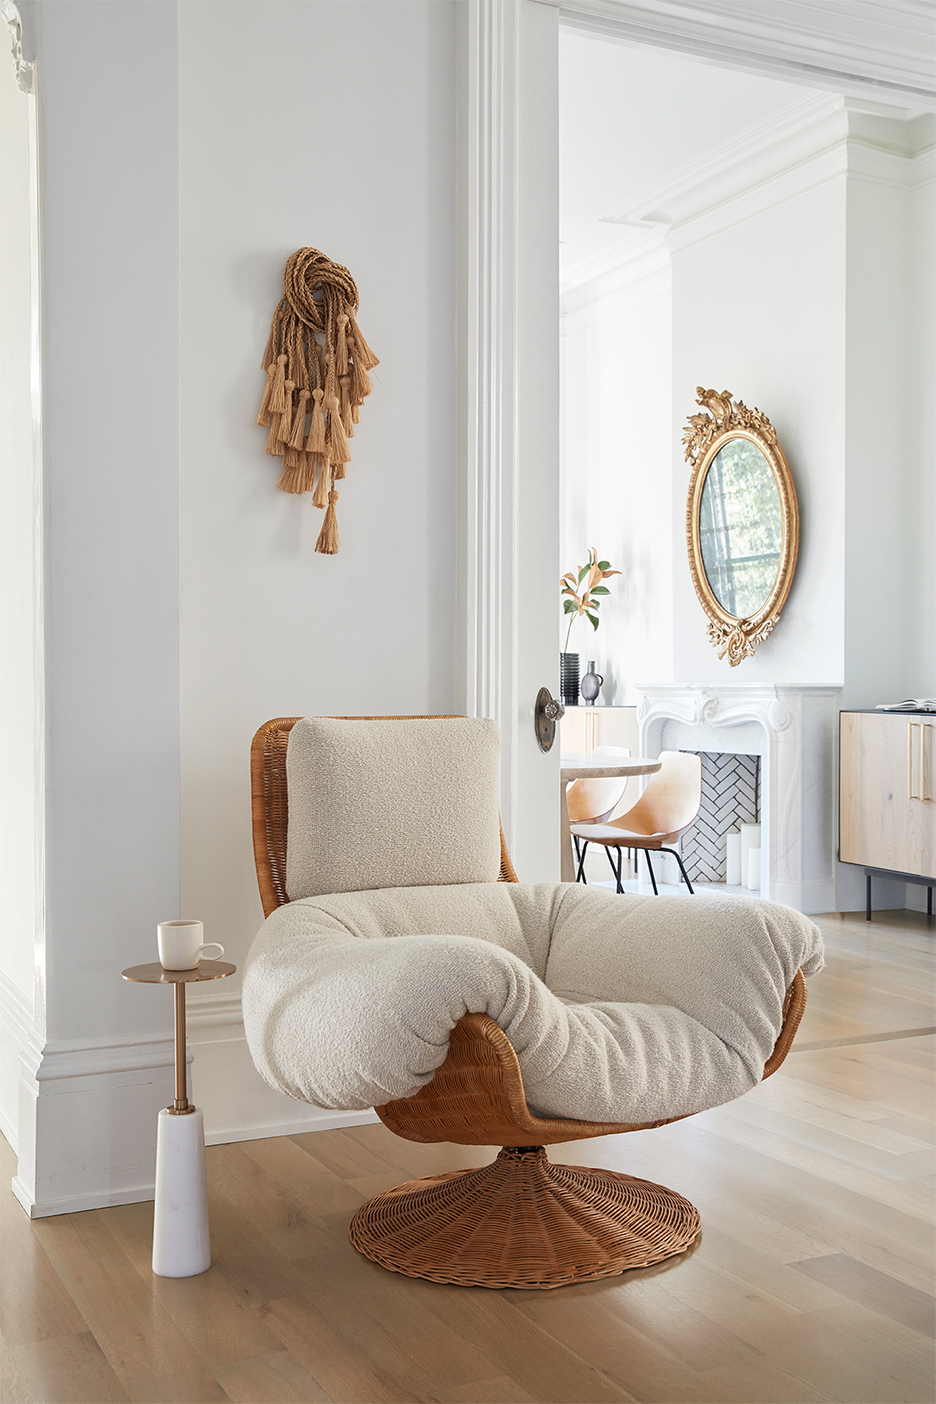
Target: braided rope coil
{"type": "Point", "coordinates": [317, 365]}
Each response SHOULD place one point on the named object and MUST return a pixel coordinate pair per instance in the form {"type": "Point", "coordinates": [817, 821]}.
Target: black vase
{"type": "Point", "coordinates": [569, 679]}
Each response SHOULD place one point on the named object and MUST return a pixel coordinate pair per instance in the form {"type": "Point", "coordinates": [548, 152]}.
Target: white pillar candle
{"type": "Point", "coordinates": [733, 860]}
{"type": "Point", "coordinates": [750, 838]}
{"type": "Point", "coordinates": [753, 871]}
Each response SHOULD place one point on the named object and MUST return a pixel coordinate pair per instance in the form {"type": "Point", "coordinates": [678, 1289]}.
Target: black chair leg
{"type": "Point", "coordinates": [681, 868]}
{"type": "Point", "coordinates": [578, 852]}
{"type": "Point", "coordinates": [580, 875]}
{"type": "Point", "coordinates": [652, 877]}
{"type": "Point", "coordinates": [618, 869]}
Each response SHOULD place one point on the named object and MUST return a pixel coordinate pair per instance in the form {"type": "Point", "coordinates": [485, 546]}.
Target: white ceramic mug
{"type": "Point", "coordinates": [181, 944]}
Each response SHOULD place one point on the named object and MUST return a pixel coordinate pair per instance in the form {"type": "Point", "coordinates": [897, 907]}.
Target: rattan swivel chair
{"type": "Point", "coordinates": [520, 1222]}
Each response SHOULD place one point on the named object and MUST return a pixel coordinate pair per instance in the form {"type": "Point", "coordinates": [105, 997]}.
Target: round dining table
{"type": "Point", "coordinates": [586, 767]}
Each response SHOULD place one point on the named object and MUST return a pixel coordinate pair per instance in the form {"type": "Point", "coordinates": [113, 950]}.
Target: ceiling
{"type": "Point", "coordinates": [629, 117]}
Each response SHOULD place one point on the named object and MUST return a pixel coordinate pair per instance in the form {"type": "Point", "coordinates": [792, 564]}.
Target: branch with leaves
{"type": "Point", "coordinates": [574, 604]}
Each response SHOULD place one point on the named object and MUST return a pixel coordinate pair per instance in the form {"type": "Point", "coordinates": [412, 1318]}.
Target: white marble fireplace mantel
{"type": "Point", "coordinates": [793, 730]}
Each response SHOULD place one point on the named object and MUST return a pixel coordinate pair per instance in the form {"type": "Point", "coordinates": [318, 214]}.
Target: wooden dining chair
{"type": "Point", "coordinates": [594, 801]}
{"type": "Point", "coordinates": [665, 810]}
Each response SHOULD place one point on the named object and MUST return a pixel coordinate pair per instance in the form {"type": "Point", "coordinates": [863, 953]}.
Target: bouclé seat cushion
{"type": "Point", "coordinates": [620, 1008]}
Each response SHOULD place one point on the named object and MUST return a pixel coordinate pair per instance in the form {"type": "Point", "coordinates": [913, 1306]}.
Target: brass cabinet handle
{"type": "Point", "coordinates": [911, 727]}
{"type": "Point", "coordinates": [924, 728]}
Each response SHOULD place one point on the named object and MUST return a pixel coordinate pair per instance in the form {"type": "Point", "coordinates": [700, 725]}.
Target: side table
{"type": "Point", "coordinates": [180, 1225]}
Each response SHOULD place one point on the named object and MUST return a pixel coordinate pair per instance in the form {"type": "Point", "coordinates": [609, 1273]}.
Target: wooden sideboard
{"type": "Point", "coordinates": [887, 795]}
{"type": "Point", "coordinates": [584, 728]}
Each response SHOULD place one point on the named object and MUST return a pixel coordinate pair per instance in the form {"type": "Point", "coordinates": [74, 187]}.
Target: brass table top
{"type": "Point", "coordinates": [154, 974]}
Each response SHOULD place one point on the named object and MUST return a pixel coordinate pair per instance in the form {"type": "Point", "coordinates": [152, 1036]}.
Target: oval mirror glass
{"type": "Point", "coordinates": [740, 528]}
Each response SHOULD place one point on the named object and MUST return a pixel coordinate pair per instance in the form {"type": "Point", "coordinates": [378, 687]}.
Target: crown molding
{"type": "Point", "coordinates": [735, 165]}
{"type": "Point", "coordinates": [879, 48]}
{"type": "Point", "coordinates": [24, 67]}
{"type": "Point", "coordinates": [627, 274]}
{"type": "Point", "coordinates": [792, 152]}
{"type": "Point", "coordinates": [624, 299]}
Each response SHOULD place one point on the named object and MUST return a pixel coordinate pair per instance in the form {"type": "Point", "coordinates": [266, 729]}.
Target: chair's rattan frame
{"type": "Point", "coordinates": [476, 1096]}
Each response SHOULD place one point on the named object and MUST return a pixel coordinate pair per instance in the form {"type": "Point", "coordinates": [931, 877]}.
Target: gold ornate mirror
{"type": "Point", "coordinates": [742, 522]}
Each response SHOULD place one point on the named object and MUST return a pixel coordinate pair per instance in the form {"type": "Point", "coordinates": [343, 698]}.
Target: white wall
{"type": "Point", "coordinates": [758, 309]}
{"type": "Point", "coordinates": [224, 137]}
{"type": "Point", "coordinates": [331, 126]}
{"type": "Point", "coordinates": [18, 604]}
{"type": "Point", "coordinates": [109, 208]}
{"type": "Point", "coordinates": [617, 476]}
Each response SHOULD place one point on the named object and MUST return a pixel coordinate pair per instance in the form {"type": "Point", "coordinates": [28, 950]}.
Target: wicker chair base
{"type": "Point", "coordinates": [523, 1222]}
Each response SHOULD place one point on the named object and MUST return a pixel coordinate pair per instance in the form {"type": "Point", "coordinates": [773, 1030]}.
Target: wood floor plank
{"type": "Point", "coordinates": [146, 1350]}
{"type": "Point", "coordinates": [66, 1370]}
{"type": "Point", "coordinates": [337, 1363]}
{"type": "Point", "coordinates": [295, 1226]}
{"type": "Point", "coordinates": [909, 1197]}
{"type": "Point", "coordinates": [34, 1304]}
{"type": "Point", "coordinates": [742, 1383]}
{"type": "Point", "coordinates": [551, 1369]}
{"type": "Point", "coordinates": [244, 1255]}
{"type": "Point", "coordinates": [873, 1289]}
{"type": "Point", "coordinates": [652, 1370]}
{"type": "Point", "coordinates": [500, 1390]}
{"type": "Point", "coordinates": [857, 1357]}
{"type": "Point", "coordinates": [882, 1159]}
{"type": "Point", "coordinates": [270, 1379]}
{"type": "Point", "coordinates": [797, 1099]}
{"type": "Point", "coordinates": [219, 1326]}
{"type": "Point", "coordinates": [344, 1156]}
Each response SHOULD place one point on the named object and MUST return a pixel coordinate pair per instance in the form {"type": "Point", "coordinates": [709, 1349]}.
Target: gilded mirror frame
{"type": "Point", "coordinates": [722, 420]}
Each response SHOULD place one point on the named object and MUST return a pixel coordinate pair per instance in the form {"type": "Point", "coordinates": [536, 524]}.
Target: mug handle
{"type": "Point", "coordinates": [208, 944]}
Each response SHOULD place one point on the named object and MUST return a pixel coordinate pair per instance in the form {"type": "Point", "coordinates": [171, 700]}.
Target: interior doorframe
{"type": "Point", "coordinates": [508, 402]}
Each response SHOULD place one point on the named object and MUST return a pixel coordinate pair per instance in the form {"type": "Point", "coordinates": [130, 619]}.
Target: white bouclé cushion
{"type": "Point", "coordinates": [414, 802]}
{"type": "Point", "coordinates": [621, 1009]}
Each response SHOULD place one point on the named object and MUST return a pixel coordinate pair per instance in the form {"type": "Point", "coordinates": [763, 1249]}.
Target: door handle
{"type": "Point", "coordinates": [546, 714]}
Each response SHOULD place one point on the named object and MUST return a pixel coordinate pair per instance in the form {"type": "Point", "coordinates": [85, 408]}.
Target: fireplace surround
{"type": "Point", "coordinates": [793, 731]}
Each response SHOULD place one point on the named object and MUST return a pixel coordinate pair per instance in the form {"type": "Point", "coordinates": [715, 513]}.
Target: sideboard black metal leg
{"type": "Point", "coordinates": [868, 897]}
{"type": "Point", "coordinates": [929, 901]}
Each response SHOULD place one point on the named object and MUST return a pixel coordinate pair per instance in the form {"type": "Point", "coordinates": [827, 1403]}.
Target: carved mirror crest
{"type": "Point", "coordinates": [742, 522]}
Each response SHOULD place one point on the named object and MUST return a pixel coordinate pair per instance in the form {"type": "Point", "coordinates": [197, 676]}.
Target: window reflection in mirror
{"type": "Point", "coordinates": [740, 528]}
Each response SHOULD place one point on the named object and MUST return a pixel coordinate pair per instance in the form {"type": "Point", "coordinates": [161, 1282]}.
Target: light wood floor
{"type": "Point", "coordinates": [812, 1279]}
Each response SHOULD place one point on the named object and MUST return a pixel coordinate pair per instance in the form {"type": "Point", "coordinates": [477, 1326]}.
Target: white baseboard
{"type": "Point", "coordinates": [322, 1121]}
{"type": "Point", "coordinates": [78, 1203]}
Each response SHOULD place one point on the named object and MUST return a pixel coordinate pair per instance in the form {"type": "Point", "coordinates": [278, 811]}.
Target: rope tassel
{"type": "Point", "coordinates": [329, 540]}
{"type": "Point", "coordinates": [316, 439]}
{"type": "Point", "coordinates": [297, 436]}
{"type": "Point", "coordinates": [316, 348]}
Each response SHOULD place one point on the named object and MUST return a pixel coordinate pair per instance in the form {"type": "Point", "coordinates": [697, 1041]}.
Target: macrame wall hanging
{"type": "Point", "coordinates": [316, 362]}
